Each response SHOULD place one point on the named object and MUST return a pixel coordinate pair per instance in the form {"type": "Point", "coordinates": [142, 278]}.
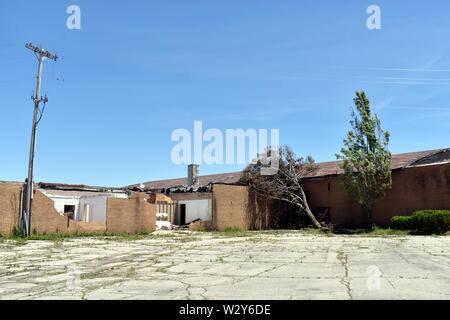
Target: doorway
{"type": "Point", "coordinates": [69, 211]}
{"type": "Point", "coordinates": [182, 214]}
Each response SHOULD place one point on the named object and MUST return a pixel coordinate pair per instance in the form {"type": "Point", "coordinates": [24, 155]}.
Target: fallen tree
{"type": "Point", "coordinates": [285, 184]}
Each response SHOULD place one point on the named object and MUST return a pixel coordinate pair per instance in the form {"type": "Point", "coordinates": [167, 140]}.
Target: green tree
{"type": "Point", "coordinates": [366, 159]}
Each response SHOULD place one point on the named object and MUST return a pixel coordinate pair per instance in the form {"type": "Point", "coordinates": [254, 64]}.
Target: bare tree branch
{"type": "Point", "coordinates": [286, 184]}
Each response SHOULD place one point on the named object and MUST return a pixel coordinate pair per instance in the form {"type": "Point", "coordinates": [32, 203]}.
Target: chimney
{"type": "Point", "coordinates": [192, 179]}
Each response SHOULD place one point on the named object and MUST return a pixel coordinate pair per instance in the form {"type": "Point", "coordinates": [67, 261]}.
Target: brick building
{"type": "Point", "coordinates": [134, 213]}
{"type": "Point", "coordinates": [420, 180]}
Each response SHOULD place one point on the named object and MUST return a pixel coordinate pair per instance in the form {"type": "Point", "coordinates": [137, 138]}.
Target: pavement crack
{"type": "Point", "coordinates": [345, 280]}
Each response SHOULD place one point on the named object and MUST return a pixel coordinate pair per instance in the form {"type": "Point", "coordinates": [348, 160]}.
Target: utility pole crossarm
{"type": "Point", "coordinates": [41, 52]}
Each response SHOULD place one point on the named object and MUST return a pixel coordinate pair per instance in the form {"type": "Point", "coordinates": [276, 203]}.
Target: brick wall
{"type": "Point", "coordinates": [132, 215]}
{"type": "Point", "coordinates": [155, 197]}
{"type": "Point", "coordinates": [9, 206]}
{"type": "Point", "coordinates": [229, 206]}
{"type": "Point", "coordinates": [235, 206]}
{"type": "Point", "coordinates": [343, 209]}
{"type": "Point", "coordinates": [416, 188]}
{"type": "Point", "coordinates": [44, 219]}
{"type": "Point", "coordinates": [413, 189]}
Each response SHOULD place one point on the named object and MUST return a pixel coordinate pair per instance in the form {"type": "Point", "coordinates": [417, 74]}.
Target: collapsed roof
{"type": "Point", "coordinates": [78, 187]}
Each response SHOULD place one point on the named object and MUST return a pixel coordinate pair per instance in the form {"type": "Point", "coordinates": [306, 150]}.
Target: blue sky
{"type": "Point", "coordinates": [138, 70]}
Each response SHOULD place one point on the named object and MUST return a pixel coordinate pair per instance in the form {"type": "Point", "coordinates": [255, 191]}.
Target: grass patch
{"type": "Point", "coordinates": [56, 236]}
{"type": "Point", "coordinates": [164, 269]}
{"type": "Point", "coordinates": [232, 229]}
{"type": "Point", "coordinates": [237, 232]}
{"type": "Point", "coordinates": [131, 273]}
{"type": "Point", "coordinates": [184, 236]}
{"type": "Point", "coordinates": [376, 231]}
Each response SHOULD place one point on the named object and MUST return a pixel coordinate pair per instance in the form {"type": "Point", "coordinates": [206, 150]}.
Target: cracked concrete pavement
{"type": "Point", "coordinates": [200, 265]}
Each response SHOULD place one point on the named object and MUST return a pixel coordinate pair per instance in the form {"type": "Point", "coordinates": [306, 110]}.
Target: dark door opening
{"type": "Point", "coordinates": [182, 214]}
{"type": "Point", "coordinates": [69, 211]}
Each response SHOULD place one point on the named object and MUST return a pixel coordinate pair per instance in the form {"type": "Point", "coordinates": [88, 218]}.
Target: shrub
{"type": "Point", "coordinates": [401, 222]}
{"type": "Point", "coordinates": [425, 221]}
{"type": "Point", "coordinates": [17, 232]}
{"type": "Point", "coordinates": [431, 221]}
{"type": "Point", "coordinates": [232, 229]}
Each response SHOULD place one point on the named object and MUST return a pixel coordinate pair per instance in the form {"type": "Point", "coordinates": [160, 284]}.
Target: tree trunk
{"type": "Point", "coordinates": [312, 218]}
{"type": "Point", "coordinates": [369, 211]}
{"type": "Point", "coordinates": [309, 213]}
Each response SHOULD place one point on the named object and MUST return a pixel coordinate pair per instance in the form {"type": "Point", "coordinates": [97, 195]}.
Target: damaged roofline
{"type": "Point", "coordinates": [184, 188]}
{"type": "Point", "coordinates": [79, 187]}
{"type": "Point", "coordinates": [425, 157]}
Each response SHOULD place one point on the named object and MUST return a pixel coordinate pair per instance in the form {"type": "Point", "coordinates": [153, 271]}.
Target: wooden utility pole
{"type": "Point", "coordinates": [25, 223]}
